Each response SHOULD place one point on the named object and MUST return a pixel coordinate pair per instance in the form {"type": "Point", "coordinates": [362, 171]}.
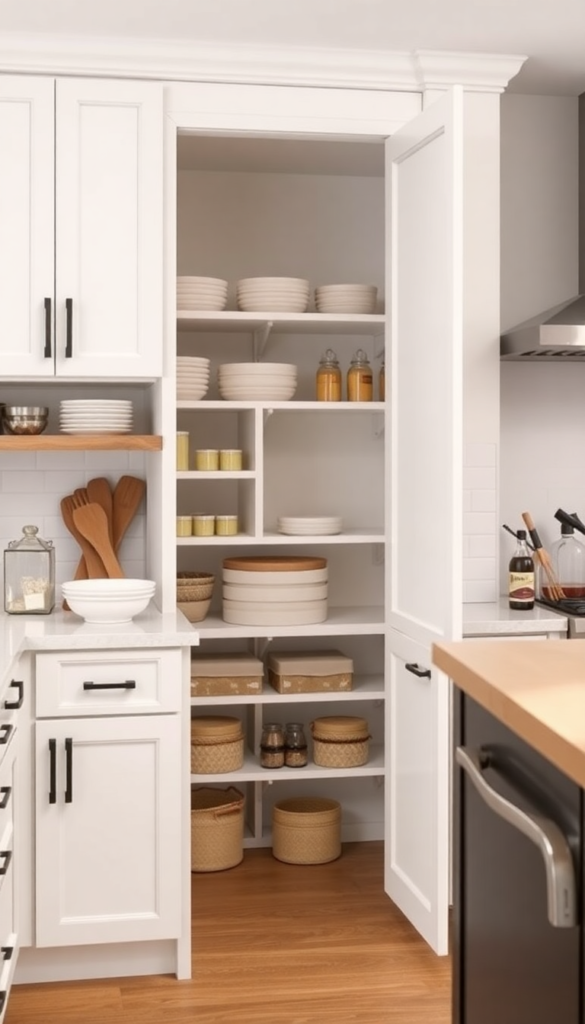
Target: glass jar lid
{"type": "Point", "coordinates": [30, 541]}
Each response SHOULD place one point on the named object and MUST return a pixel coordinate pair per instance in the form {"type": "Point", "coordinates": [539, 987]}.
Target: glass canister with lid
{"type": "Point", "coordinates": [360, 384]}
{"type": "Point", "coordinates": [272, 745]}
{"type": "Point", "coordinates": [29, 574]}
{"type": "Point", "coordinates": [329, 378]}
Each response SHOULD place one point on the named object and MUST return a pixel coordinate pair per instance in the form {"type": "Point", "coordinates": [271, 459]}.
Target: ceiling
{"type": "Point", "coordinates": [551, 33]}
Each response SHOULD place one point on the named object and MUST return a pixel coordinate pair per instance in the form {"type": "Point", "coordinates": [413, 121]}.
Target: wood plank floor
{"type": "Point", "coordinates": [274, 944]}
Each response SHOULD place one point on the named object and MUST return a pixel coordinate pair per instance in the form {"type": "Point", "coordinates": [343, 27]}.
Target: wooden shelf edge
{"type": "Point", "coordinates": [80, 442]}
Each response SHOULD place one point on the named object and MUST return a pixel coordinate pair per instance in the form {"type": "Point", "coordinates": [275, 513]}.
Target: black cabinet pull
{"type": "Point", "coordinates": [416, 670]}
{"type": "Point", "coordinates": [52, 771]}
{"type": "Point", "coordinates": [128, 684]}
{"type": "Point", "coordinates": [6, 856]}
{"type": "Point", "coordinates": [6, 791]}
{"type": "Point", "coordinates": [48, 329]}
{"type": "Point", "coordinates": [68, 770]}
{"type": "Point", "coordinates": [11, 705]}
{"type": "Point", "coordinates": [2, 999]}
{"type": "Point", "coordinates": [6, 731]}
{"type": "Point", "coordinates": [7, 952]}
{"type": "Point", "coordinates": [69, 342]}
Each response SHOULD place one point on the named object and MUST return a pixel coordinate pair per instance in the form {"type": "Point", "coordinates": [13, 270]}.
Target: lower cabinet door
{"type": "Point", "coordinates": [108, 829]}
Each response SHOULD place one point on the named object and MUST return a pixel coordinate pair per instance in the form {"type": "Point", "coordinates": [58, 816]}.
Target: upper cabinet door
{"type": "Point", "coordinates": [27, 262]}
{"type": "Point", "coordinates": [425, 287]}
{"type": "Point", "coordinates": [109, 244]}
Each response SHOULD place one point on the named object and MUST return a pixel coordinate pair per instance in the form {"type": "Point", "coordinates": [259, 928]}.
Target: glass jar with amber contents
{"type": "Point", "coordinates": [272, 745]}
{"type": "Point", "coordinates": [329, 378]}
{"type": "Point", "coordinates": [360, 385]}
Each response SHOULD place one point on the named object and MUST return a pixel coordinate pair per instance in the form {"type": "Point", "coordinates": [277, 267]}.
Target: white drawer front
{"type": "Point", "coordinates": [118, 682]}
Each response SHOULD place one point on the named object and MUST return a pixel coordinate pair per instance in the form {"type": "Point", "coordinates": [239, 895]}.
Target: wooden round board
{"type": "Point", "coordinates": [274, 563]}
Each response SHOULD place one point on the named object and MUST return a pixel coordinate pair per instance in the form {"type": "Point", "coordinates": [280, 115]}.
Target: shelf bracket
{"type": "Point", "coordinates": [261, 335]}
{"type": "Point", "coordinates": [261, 645]}
{"type": "Point", "coordinates": [378, 424]}
{"type": "Point", "coordinates": [267, 414]}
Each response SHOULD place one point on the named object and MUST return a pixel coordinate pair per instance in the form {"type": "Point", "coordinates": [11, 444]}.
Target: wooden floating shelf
{"type": "Point", "coordinates": [80, 442]}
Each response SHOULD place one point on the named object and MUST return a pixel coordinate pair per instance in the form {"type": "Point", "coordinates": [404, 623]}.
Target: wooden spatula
{"type": "Point", "coordinates": [128, 493]}
{"type": "Point", "coordinates": [99, 490]}
{"type": "Point", "coordinates": [94, 564]}
{"type": "Point", "coordinates": [91, 521]}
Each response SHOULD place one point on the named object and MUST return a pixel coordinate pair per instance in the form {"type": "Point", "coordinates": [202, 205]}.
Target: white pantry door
{"type": "Point", "coordinates": [109, 255]}
{"type": "Point", "coordinates": [424, 174]}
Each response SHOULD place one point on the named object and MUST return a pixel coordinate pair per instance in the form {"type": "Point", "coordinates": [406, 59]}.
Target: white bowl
{"type": "Point", "coordinates": [271, 281]}
{"type": "Point", "coordinates": [205, 281]}
{"type": "Point", "coordinates": [258, 367]}
{"type": "Point", "coordinates": [108, 601]}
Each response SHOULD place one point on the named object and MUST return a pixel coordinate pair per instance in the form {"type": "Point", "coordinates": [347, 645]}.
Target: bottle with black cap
{"type": "Point", "coordinates": [521, 576]}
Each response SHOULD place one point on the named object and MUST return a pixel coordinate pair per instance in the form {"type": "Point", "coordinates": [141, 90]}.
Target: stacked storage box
{"type": "Point", "coordinates": [271, 590]}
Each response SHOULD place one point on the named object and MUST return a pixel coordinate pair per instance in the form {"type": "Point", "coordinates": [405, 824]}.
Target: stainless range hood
{"type": "Point", "coordinates": [558, 334]}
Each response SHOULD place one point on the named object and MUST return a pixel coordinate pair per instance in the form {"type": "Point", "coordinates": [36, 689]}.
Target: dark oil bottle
{"type": "Point", "coordinates": [521, 576]}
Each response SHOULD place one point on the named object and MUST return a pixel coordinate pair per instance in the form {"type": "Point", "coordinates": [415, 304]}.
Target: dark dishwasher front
{"type": "Point", "coordinates": [511, 965]}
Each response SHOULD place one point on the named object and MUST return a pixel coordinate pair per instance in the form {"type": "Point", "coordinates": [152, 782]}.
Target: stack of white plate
{"type": "Point", "coordinates": [192, 377]}
{"type": "Point", "coordinates": [201, 293]}
{"type": "Point", "coordinates": [275, 591]}
{"type": "Point", "coordinates": [272, 382]}
{"type": "Point", "coordinates": [276, 294]}
{"type": "Point", "coordinates": [346, 298]}
{"type": "Point", "coordinates": [309, 525]}
{"type": "Point", "coordinates": [95, 416]}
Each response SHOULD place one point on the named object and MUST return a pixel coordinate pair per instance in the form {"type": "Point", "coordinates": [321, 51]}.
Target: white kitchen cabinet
{"type": "Point", "coordinates": [108, 740]}
{"type": "Point", "coordinates": [421, 228]}
{"type": "Point", "coordinates": [81, 244]}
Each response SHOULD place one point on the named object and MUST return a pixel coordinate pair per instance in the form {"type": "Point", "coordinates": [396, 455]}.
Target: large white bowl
{"type": "Point", "coordinates": [108, 601]}
{"type": "Point", "coordinates": [258, 367]}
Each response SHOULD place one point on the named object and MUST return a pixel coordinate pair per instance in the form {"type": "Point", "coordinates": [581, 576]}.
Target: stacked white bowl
{"type": "Point", "coordinates": [273, 591]}
{"type": "Point", "coordinates": [271, 382]}
{"type": "Point", "coordinates": [305, 526]}
{"type": "Point", "coordinates": [192, 377]}
{"type": "Point", "coordinates": [201, 293]}
{"type": "Point", "coordinates": [346, 298]}
{"type": "Point", "coordinates": [275, 294]}
{"type": "Point", "coordinates": [108, 601]}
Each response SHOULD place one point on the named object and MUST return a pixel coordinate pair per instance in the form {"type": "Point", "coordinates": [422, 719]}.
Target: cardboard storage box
{"type": "Point", "coordinates": [310, 671]}
{"type": "Point", "coordinates": [224, 675]}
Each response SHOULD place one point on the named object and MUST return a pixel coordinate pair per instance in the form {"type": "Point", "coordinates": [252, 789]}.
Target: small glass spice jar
{"type": "Point", "coordinates": [272, 745]}
{"type": "Point", "coordinates": [295, 745]}
{"type": "Point", "coordinates": [29, 575]}
{"type": "Point", "coordinates": [360, 386]}
{"type": "Point", "coordinates": [329, 378]}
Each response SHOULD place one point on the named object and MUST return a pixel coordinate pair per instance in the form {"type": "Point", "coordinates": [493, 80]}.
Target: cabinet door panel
{"type": "Point", "coordinates": [108, 860]}
{"type": "Point", "coordinates": [109, 227]}
{"type": "Point", "coordinates": [27, 261]}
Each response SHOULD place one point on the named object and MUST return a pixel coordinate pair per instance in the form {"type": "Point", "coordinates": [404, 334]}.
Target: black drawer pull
{"type": "Point", "coordinates": [2, 998]}
{"type": "Point", "coordinates": [11, 705]}
{"type": "Point", "coordinates": [6, 791]}
{"type": "Point", "coordinates": [69, 342]}
{"type": "Point", "coordinates": [68, 770]}
{"type": "Point", "coordinates": [48, 326]}
{"type": "Point", "coordinates": [6, 731]}
{"type": "Point", "coordinates": [129, 684]}
{"type": "Point", "coordinates": [5, 855]}
{"type": "Point", "coordinates": [7, 952]}
{"type": "Point", "coordinates": [422, 673]}
{"type": "Point", "coordinates": [52, 771]}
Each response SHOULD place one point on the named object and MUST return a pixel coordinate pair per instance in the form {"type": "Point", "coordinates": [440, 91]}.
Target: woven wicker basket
{"type": "Point", "coordinates": [340, 741]}
{"type": "Point", "coordinates": [306, 830]}
{"type": "Point", "coordinates": [194, 586]}
{"type": "Point", "coordinates": [217, 828]}
{"type": "Point", "coordinates": [217, 745]}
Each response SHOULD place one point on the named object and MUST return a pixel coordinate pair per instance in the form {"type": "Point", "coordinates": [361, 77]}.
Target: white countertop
{"type": "Point", "coordinates": [61, 629]}
{"type": "Point", "coordinates": [498, 619]}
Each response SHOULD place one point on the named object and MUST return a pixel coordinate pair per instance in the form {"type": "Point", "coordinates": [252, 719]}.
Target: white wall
{"type": "Point", "coordinates": [542, 438]}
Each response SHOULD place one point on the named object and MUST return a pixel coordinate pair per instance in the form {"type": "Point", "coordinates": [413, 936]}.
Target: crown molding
{"type": "Point", "coordinates": [178, 61]}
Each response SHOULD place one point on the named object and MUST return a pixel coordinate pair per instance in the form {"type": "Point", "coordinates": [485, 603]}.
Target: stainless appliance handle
{"type": "Point", "coordinates": [544, 833]}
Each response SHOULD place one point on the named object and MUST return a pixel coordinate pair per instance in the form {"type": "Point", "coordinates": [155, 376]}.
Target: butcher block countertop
{"type": "Point", "coordinates": [536, 689]}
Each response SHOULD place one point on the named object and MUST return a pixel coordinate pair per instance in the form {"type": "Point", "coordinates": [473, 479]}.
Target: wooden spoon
{"type": "Point", "coordinates": [94, 564]}
{"type": "Point", "coordinates": [128, 493]}
{"type": "Point", "coordinates": [98, 490]}
{"type": "Point", "coordinates": [92, 522]}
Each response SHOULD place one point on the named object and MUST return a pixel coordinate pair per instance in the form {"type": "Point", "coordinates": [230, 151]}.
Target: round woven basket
{"type": "Point", "coordinates": [340, 741]}
{"type": "Point", "coordinates": [217, 744]}
{"type": "Point", "coordinates": [217, 828]}
{"type": "Point", "coordinates": [306, 830]}
{"type": "Point", "coordinates": [194, 586]}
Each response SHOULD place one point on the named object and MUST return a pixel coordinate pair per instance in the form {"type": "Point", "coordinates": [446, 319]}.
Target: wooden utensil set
{"type": "Point", "coordinates": [98, 519]}
{"type": "Point", "coordinates": [556, 591]}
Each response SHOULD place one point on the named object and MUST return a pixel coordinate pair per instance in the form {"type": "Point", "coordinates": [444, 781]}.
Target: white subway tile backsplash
{"type": "Point", "coordinates": [479, 522]}
{"type": "Point", "coordinates": [68, 461]}
{"type": "Point", "coordinates": [23, 482]}
{"type": "Point", "coordinates": [480, 546]}
{"type": "Point", "coordinates": [479, 591]}
{"type": "Point", "coordinates": [479, 479]}
{"type": "Point", "coordinates": [480, 506]}
{"type": "Point", "coordinates": [61, 482]}
{"type": "Point", "coordinates": [467, 501]}
{"type": "Point", "coordinates": [31, 505]}
{"type": "Point", "coordinates": [107, 463]}
{"type": "Point", "coordinates": [479, 569]}
{"type": "Point", "coordinates": [17, 460]}
{"type": "Point", "coordinates": [479, 455]}
{"type": "Point", "coordinates": [483, 501]}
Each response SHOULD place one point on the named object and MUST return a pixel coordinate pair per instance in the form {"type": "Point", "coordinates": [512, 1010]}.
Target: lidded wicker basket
{"type": "Point", "coordinates": [306, 830]}
{"type": "Point", "coordinates": [194, 586]}
{"type": "Point", "coordinates": [217, 744]}
{"type": "Point", "coordinates": [217, 828]}
{"type": "Point", "coordinates": [340, 741]}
